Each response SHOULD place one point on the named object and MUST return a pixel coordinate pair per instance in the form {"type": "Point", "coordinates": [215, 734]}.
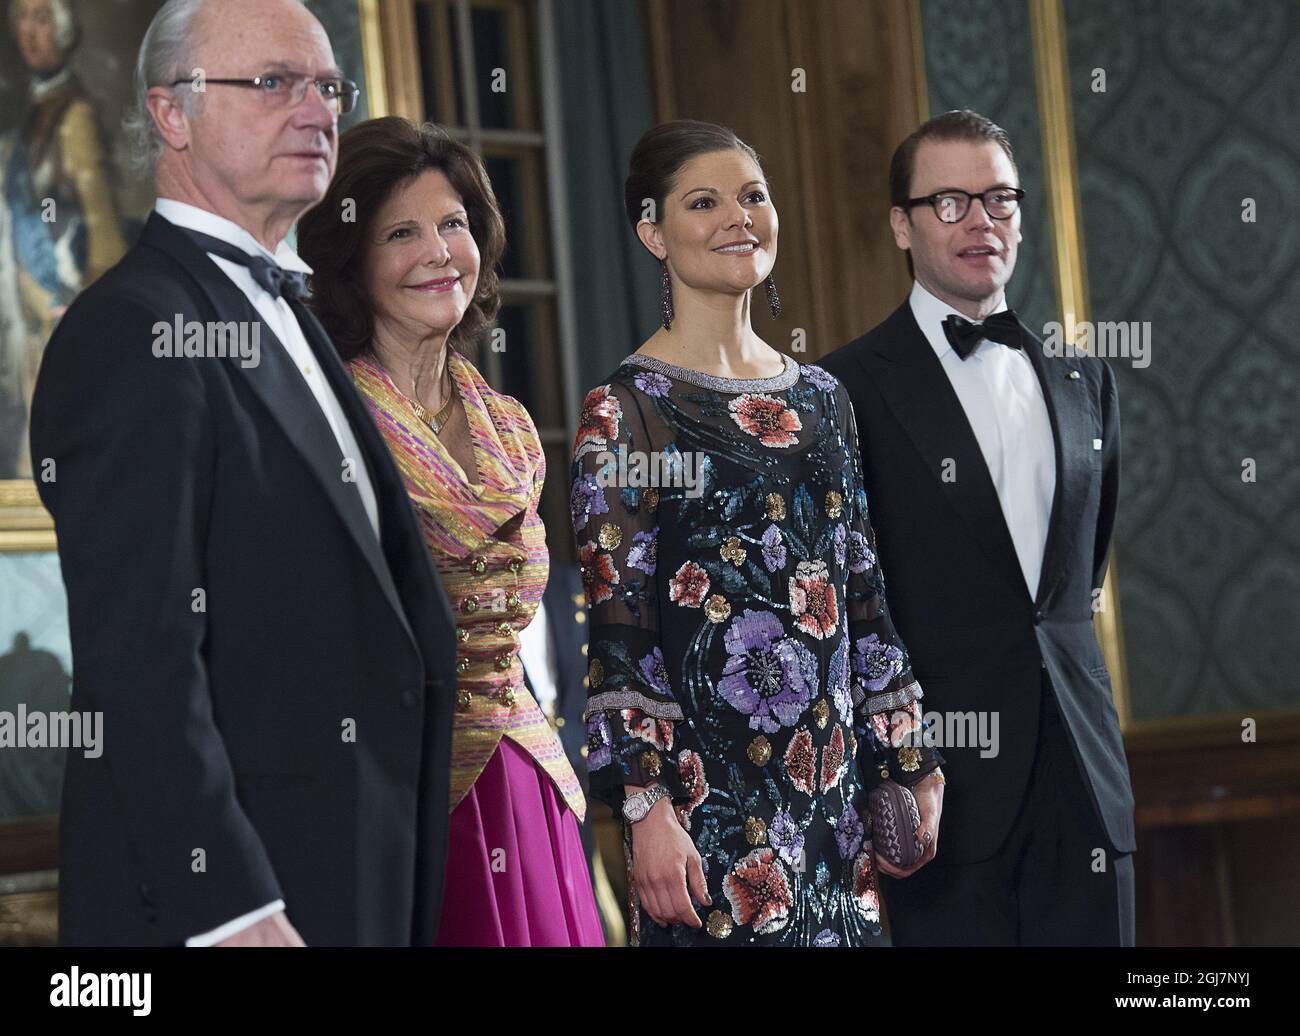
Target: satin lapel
{"type": "Point", "coordinates": [1070, 410]}
{"type": "Point", "coordinates": [384, 477]}
{"type": "Point", "coordinates": [288, 400]}
{"type": "Point", "coordinates": [915, 388]}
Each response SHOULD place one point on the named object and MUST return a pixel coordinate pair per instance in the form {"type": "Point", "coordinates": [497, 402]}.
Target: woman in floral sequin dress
{"type": "Point", "coordinates": [741, 654]}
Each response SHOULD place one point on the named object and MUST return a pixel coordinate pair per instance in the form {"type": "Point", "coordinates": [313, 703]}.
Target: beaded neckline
{"type": "Point", "coordinates": [711, 381]}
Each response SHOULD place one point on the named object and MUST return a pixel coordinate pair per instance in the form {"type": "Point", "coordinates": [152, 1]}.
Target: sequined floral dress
{"type": "Point", "coordinates": [740, 650]}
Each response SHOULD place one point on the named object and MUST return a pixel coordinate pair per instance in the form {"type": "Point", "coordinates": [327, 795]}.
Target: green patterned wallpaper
{"type": "Point", "coordinates": [1183, 110]}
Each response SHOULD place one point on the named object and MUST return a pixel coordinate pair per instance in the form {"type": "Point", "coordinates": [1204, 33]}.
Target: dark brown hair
{"type": "Point", "coordinates": [960, 124]}
{"type": "Point", "coordinates": [375, 158]}
{"type": "Point", "coordinates": [660, 154]}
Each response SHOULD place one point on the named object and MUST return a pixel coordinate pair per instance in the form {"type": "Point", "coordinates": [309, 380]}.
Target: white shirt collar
{"type": "Point", "coordinates": [192, 217]}
{"type": "Point", "coordinates": [930, 313]}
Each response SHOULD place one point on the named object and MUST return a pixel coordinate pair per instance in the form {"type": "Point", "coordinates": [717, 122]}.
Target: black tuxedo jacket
{"type": "Point", "coordinates": [977, 641]}
{"type": "Point", "coordinates": [276, 686]}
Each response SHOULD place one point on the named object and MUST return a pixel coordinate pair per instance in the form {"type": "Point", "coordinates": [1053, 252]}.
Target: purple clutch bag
{"type": "Point", "coordinates": [894, 821]}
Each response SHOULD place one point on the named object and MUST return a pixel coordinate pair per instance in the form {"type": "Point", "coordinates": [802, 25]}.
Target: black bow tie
{"type": "Point", "coordinates": [267, 273]}
{"type": "Point", "coordinates": [963, 336]}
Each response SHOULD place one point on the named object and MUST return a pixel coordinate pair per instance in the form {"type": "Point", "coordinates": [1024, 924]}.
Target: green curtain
{"type": "Point", "coordinates": [605, 94]}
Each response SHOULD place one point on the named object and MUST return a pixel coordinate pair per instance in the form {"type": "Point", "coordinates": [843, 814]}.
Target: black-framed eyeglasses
{"type": "Point", "coordinates": [951, 204]}
{"type": "Point", "coordinates": [286, 90]}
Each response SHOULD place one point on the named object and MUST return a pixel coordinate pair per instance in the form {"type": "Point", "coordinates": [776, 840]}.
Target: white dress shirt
{"type": "Point", "coordinates": [1003, 400]}
{"type": "Point", "coordinates": [280, 319]}
{"type": "Point", "coordinates": [538, 659]}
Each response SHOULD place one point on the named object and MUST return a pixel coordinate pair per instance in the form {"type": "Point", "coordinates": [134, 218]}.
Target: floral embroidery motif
{"type": "Point", "coordinates": [768, 677]}
{"type": "Point", "coordinates": [657, 732]}
{"type": "Point", "coordinates": [599, 575]}
{"type": "Point", "coordinates": [689, 585]}
{"type": "Point", "coordinates": [758, 892]}
{"type": "Point", "coordinates": [800, 763]}
{"type": "Point", "coordinates": [644, 551]}
{"type": "Point", "coordinates": [598, 420]}
{"type": "Point", "coordinates": [812, 599]}
{"type": "Point", "coordinates": [770, 419]}
{"type": "Point", "coordinates": [652, 383]}
{"type": "Point", "coordinates": [876, 663]}
{"type": "Point", "coordinates": [586, 499]}
{"type": "Point", "coordinates": [833, 760]}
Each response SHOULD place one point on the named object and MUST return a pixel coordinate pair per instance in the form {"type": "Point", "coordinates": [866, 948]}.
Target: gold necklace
{"type": "Point", "coordinates": [439, 419]}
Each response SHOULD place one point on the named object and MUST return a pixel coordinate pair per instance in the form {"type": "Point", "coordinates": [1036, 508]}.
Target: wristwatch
{"type": "Point", "coordinates": [637, 807]}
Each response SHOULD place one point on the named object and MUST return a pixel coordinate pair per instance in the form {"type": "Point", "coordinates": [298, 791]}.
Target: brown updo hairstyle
{"type": "Point", "coordinates": [660, 154]}
{"type": "Point", "coordinates": [375, 158]}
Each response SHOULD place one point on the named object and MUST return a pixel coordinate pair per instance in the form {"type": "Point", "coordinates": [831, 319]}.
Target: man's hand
{"type": "Point", "coordinates": [929, 801]}
{"type": "Point", "coordinates": [270, 931]}
{"type": "Point", "coordinates": [667, 867]}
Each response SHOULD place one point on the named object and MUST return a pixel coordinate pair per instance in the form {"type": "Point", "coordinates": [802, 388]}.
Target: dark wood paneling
{"type": "Point", "coordinates": [1217, 831]}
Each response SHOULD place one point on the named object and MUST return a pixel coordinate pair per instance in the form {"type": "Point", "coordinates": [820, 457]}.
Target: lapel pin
{"type": "Point", "coordinates": [1073, 375]}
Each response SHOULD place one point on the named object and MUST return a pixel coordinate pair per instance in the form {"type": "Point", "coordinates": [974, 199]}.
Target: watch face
{"type": "Point", "coordinates": [635, 808]}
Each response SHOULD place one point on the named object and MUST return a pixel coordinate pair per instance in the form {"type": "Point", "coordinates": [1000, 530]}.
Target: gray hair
{"type": "Point", "coordinates": [67, 31]}
{"type": "Point", "coordinates": [165, 56]}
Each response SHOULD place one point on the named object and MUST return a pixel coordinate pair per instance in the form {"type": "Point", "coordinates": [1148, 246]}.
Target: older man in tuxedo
{"type": "Point", "coordinates": [992, 472]}
{"type": "Point", "coordinates": [252, 607]}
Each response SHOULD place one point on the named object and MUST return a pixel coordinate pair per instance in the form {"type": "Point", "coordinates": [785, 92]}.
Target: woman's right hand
{"type": "Point", "coordinates": [667, 868]}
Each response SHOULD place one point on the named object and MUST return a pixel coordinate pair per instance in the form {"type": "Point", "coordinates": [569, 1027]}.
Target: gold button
{"type": "Point", "coordinates": [504, 628]}
{"type": "Point", "coordinates": [580, 600]}
{"type": "Point", "coordinates": [515, 564]}
{"type": "Point", "coordinates": [755, 830]}
{"type": "Point", "coordinates": [584, 649]}
{"type": "Point", "coordinates": [580, 618]}
{"type": "Point", "coordinates": [759, 751]}
{"type": "Point", "coordinates": [821, 712]}
{"type": "Point", "coordinates": [651, 762]}
{"type": "Point", "coordinates": [470, 604]}
{"type": "Point", "coordinates": [507, 696]}
{"type": "Point", "coordinates": [834, 504]}
{"type": "Point", "coordinates": [583, 751]}
{"type": "Point", "coordinates": [478, 566]}
{"type": "Point", "coordinates": [503, 660]}
{"type": "Point", "coordinates": [462, 665]}
{"type": "Point", "coordinates": [512, 600]}
{"type": "Point", "coordinates": [559, 721]}
{"type": "Point", "coordinates": [462, 634]}
{"type": "Point", "coordinates": [464, 700]}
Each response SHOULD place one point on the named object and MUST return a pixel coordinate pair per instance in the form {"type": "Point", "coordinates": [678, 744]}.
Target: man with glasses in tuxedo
{"type": "Point", "coordinates": [992, 475]}
{"type": "Point", "coordinates": [252, 606]}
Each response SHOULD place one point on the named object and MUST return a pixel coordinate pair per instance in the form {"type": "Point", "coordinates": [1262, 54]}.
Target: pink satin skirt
{"type": "Point", "coordinates": [516, 871]}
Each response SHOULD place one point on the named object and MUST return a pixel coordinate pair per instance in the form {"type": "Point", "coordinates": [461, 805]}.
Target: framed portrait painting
{"type": "Point", "coordinates": [72, 201]}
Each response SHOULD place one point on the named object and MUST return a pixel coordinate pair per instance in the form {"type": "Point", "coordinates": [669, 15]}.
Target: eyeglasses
{"type": "Point", "coordinates": [951, 205]}
{"type": "Point", "coordinates": [286, 90]}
